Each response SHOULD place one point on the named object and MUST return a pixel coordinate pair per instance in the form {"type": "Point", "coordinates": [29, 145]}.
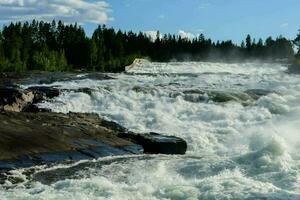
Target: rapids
{"type": "Point", "coordinates": [241, 122]}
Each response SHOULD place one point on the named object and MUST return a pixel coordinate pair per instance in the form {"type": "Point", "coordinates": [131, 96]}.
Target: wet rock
{"type": "Point", "coordinates": [196, 95]}
{"type": "Point", "coordinates": [145, 90]}
{"type": "Point", "coordinates": [155, 143]}
{"type": "Point", "coordinates": [257, 93]}
{"type": "Point", "coordinates": [88, 91]}
{"type": "Point", "coordinates": [43, 93]}
{"type": "Point", "coordinates": [28, 139]}
{"type": "Point", "coordinates": [15, 99]}
{"type": "Point", "coordinates": [34, 109]}
{"type": "Point", "coordinates": [151, 142]}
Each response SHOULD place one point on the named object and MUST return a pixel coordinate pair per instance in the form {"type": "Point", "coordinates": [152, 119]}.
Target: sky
{"type": "Point", "coordinates": [216, 19]}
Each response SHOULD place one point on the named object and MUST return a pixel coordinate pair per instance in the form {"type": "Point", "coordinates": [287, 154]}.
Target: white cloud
{"type": "Point", "coordinates": [152, 35]}
{"type": "Point", "coordinates": [80, 11]}
{"type": "Point", "coordinates": [183, 34]}
{"type": "Point", "coordinates": [186, 35]}
{"type": "Point", "coordinates": [283, 25]}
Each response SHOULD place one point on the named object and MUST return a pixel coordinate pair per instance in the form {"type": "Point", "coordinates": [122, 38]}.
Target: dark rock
{"type": "Point", "coordinates": [27, 139]}
{"type": "Point", "coordinates": [197, 95]}
{"type": "Point", "coordinates": [15, 99]}
{"type": "Point", "coordinates": [145, 90]}
{"type": "Point", "coordinates": [43, 93]}
{"type": "Point", "coordinates": [35, 109]}
{"type": "Point", "coordinates": [114, 126]}
{"type": "Point", "coordinates": [88, 91]}
{"type": "Point", "coordinates": [155, 143]}
{"type": "Point", "coordinates": [152, 142]}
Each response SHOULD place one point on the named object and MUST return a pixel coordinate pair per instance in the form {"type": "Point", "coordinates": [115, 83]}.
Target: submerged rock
{"type": "Point", "coordinates": [257, 93]}
{"type": "Point", "coordinates": [197, 95]}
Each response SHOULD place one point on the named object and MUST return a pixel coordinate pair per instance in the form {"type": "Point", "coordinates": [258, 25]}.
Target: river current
{"type": "Point", "coordinates": [241, 123]}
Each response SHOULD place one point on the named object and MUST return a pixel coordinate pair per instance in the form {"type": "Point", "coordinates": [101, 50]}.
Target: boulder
{"type": "Point", "coordinates": [43, 93]}
{"type": "Point", "coordinates": [153, 143]}
{"type": "Point", "coordinates": [15, 99]}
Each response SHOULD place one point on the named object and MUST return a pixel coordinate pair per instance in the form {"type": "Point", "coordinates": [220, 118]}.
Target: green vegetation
{"type": "Point", "coordinates": [60, 47]}
{"type": "Point", "coordinates": [296, 60]}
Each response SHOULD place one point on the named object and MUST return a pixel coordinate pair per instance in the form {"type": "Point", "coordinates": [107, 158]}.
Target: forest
{"type": "Point", "coordinates": [56, 46]}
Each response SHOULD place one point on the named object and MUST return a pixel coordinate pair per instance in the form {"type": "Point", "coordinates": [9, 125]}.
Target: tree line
{"type": "Point", "coordinates": [56, 46]}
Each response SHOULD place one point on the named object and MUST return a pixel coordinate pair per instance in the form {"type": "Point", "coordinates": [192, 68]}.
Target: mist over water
{"type": "Point", "coordinates": [241, 123]}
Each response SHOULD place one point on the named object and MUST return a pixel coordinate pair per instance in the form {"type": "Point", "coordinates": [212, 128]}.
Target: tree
{"type": "Point", "coordinates": [248, 42]}
{"type": "Point", "coordinates": [57, 46]}
{"type": "Point", "coordinates": [297, 43]}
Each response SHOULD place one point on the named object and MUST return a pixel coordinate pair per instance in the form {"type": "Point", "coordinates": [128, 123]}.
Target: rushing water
{"type": "Point", "coordinates": [243, 147]}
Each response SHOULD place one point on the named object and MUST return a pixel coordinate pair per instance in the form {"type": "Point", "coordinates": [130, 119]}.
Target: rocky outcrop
{"type": "Point", "coordinates": [28, 139]}
{"type": "Point", "coordinates": [15, 99]}
{"type": "Point", "coordinates": [136, 63]}
{"type": "Point", "coordinates": [153, 143]}
{"type": "Point", "coordinates": [35, 138]}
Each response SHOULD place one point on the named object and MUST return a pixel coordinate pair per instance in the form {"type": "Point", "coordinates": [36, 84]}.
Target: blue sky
{"type": "Point", "coordinates": [217, 19]}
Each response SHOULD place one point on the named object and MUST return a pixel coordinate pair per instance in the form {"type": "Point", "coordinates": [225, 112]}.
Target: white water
{"type": "Point", "coordinates": [235, 150]}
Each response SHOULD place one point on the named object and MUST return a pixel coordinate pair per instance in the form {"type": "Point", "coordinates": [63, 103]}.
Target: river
{"type": "Point", "coordinates": [241, 123]}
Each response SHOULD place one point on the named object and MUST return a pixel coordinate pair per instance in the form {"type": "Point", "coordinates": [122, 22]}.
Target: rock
{"type": "Point", "coordinates": [257, 93]}
{"type": "Point", "coordinates": [155, 143]}
{"type": "Point", "coordinates": [28, 139]}
{"type": "Point", "coordinates": [137, 63]}
{"type": "Point", "coordinates": [88, 91]}
{"type": "Point", "coordinates": [197, 95]}
{"type": "Point", "coordinates": [151, 142]}
{"type": "Point", "coordinates": [15, 99]}
{"type": "Point", "coordinates": [43, 93]}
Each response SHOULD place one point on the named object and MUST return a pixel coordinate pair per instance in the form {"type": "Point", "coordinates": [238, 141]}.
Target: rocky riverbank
{"type": "Point", "coordinates": [32, 136]}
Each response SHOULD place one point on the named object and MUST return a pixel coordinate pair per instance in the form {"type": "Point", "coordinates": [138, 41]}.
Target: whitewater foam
{"type": "Point", "coordinates": [241, 148]}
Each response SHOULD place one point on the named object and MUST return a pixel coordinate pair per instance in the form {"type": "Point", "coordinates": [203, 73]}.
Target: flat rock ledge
{"type": "Point", "coordinates": [30, 136]}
